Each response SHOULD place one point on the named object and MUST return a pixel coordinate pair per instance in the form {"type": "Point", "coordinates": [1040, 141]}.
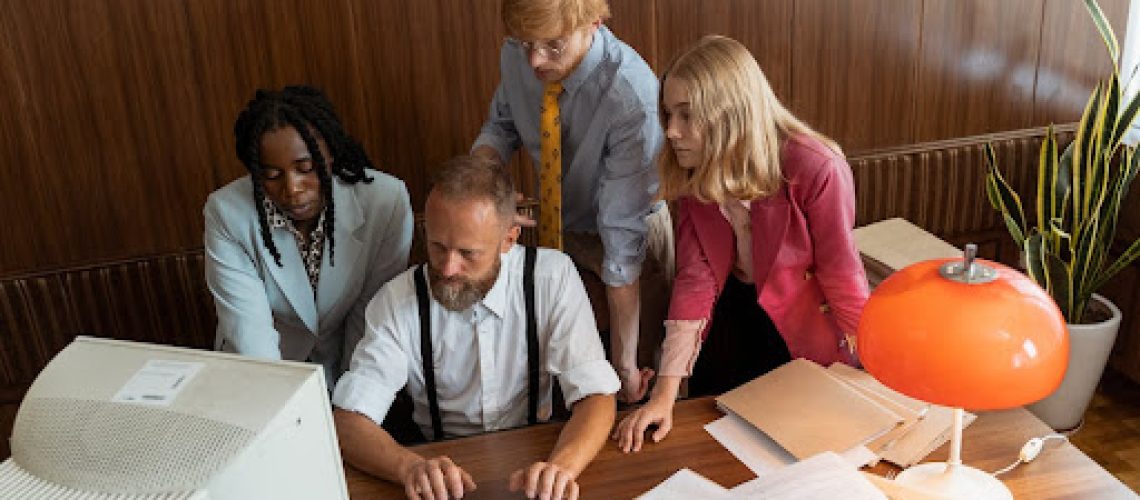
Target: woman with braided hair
{"type": "Point", "coordinates": [297, 248]}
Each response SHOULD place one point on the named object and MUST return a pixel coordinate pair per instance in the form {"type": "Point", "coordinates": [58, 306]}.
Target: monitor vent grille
{"type": "Point", "coordinates": [120, 447]}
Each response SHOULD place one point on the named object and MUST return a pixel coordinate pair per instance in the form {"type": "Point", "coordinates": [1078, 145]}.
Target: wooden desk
{"type": "Point", "coordinates": [992, 442]}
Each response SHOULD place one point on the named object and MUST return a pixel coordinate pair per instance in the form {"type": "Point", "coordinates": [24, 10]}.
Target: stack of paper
{"type": "Point", "coordinates": [889, 245]}
{"type": "Point", "coordinates": [925, 426]}
{"type": "Point", "coordinates": [809, 411]}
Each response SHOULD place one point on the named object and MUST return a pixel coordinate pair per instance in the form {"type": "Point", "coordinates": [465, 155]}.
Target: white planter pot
{"type": "Point", "coordinates": [1089, 347]}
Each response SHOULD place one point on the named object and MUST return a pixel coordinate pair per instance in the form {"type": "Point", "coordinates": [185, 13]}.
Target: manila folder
{"type": "Point", "coordinates": [808, 411]}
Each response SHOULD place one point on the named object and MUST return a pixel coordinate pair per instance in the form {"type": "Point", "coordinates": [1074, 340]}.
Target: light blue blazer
{"type": "Point", "coordinates": [267, 311]}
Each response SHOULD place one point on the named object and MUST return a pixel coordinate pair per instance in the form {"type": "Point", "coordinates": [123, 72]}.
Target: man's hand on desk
{"type": "Point", "coordinates": [546, 481]}
{"type": "Point", "coordinates": [436, 478]}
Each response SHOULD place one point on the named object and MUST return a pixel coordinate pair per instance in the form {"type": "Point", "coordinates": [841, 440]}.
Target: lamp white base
{"type": "Point", "coordinates": [955, 481]}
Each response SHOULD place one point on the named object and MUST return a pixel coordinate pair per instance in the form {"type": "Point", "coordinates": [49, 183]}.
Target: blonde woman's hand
{"type": "Point", "coordinates": [630, 432]}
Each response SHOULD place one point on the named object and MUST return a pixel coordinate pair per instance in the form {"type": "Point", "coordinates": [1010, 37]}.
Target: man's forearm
{"type": "Point", "coordinates": [370, 448]}
{"type": "Point", "coordinates": [625, 308]}
{"type": "Point", "coordinates": [585, 433]}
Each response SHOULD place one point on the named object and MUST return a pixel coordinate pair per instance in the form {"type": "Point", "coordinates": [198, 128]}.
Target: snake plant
{"type": "Point", "coordinates": [1079, 195]}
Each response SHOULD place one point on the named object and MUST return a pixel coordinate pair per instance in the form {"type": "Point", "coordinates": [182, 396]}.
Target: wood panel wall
{"type": "Point", "coordinates": [116, 115]}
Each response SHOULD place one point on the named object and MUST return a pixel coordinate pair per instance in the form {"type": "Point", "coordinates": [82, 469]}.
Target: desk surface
{"type": "Point", "coordinates": [990, 443]}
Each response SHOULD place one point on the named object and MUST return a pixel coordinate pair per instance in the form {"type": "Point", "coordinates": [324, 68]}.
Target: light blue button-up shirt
{"type": "Point", "coordinates": [610, 139]}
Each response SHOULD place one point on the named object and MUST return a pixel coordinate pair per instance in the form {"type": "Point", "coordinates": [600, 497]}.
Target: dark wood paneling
{"type": "Point", "coordinates": [108, 125]}
{"type": "Point", "coordinates": [1073, 58]}
{"type": "Point", "coordinates": [764, 26]}
{"type": "Point", "coordinates": [635, 23]}
{"type": "Point", "coordinates": [978, 64]}
{"type": "Point", "coordinates": [428, 83]}
{"type": "Point", "coordinates": [118, 113]}
{"type": "Point", "coordinates": [7, 420]}
{"type": "Point", "coordinates": [161, 299]}
{"type": "Point", "coordinates": [853, 69]}
{"type": "Point", "coordinates": [240, 46]}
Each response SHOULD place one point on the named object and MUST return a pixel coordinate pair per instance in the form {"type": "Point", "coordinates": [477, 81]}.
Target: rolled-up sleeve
{"type": "Point", "coordinates": [574, 350]}
{"type": "Point", "coordinates": [499, 131]}
{"type": "Point", "coordinates": [379, 366]}
{"type": "Point", "coordinates": [627, 186]}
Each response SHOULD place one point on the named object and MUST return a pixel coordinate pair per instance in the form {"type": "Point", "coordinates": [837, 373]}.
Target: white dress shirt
{"type": "Point", "coordinates": [480, 354]}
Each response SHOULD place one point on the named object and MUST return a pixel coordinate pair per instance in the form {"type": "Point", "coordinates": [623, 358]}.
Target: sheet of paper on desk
{"type": "Point", "coordinates": [686, 485]}
{"type": "Point", "coordinates": [753, 448]}
{"type": "Point", "coordinates": [822, 477]}
{"type": "Point", "coordinates": [760, 453]}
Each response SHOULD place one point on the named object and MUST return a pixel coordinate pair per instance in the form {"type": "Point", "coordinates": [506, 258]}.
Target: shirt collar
{"type": "Point", "coordinates": [590, 61]}
{"type": "Point", "coordinates": [496, 298]}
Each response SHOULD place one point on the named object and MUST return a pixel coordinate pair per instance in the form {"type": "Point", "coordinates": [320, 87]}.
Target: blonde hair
{"type": "Point", "coordinates": [536, 19]}
{"type": "Point", "coordinates": [741, 122]}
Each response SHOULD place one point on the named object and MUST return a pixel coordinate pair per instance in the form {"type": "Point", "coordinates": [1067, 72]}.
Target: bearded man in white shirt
{"type": "Point", "coordinates": [487, 370]}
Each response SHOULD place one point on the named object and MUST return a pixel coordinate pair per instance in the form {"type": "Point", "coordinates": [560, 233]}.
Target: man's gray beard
{"type": "Point", "coordinates": [460, 298]}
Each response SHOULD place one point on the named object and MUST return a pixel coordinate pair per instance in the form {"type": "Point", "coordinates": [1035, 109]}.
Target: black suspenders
{"type": "Point", "coordinates": [531, 336]}
{"type": "Point", "coordinates": [531, 343]}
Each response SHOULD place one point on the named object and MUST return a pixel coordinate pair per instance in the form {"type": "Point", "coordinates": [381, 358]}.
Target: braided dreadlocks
{"type": "Point", "coordinates": [305, 109]}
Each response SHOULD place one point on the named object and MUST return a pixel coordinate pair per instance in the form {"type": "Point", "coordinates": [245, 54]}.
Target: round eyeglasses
{"type": "Point", "coordinates": [550, 49]}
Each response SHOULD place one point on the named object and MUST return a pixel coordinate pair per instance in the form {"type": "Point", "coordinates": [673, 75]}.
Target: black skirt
{"type": "Point", "coordinates": [742, 343]}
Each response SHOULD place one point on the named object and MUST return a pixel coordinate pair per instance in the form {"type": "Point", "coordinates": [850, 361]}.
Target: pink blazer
{"type": "Point", "coordinates": [808, 274]}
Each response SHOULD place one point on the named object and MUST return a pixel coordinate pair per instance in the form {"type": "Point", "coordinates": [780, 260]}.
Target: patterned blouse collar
{"type": "Point", "coordinates": [312, 252]}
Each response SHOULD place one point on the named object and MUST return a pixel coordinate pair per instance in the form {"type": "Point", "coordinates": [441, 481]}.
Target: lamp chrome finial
{"type": "Point", "coordinates": [967, 271]}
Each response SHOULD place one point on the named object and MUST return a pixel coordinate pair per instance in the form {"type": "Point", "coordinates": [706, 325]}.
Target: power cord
{"type": "Point", "coordinates": [1030, 451]}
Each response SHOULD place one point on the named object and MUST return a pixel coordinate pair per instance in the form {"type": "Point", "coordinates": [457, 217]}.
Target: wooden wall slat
{"type": "Point", "coordinates": [1073, 58]}
{"type": "Point", "coordinates": [764, 26]}
{"type": "Point", "coordinates": [977, 67]}
{"type": "Point", "coordinates": [240, 46]}
{"type": "Point", "coordinates": [635, 23]}
{"type": "Point", "coordinates": [119, 113]}
{"type": "Point", "coordinates": [429, 87]}
{"type": "Point", "coordinates": [101, 116]}
{"type": "Point", "coordinates": [855, 83]}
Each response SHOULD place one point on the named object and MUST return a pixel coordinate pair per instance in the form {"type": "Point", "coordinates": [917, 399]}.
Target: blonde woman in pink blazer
{"type": "Point", "coordinates": [767, 268]}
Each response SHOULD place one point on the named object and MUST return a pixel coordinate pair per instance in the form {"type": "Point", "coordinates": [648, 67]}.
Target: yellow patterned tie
{"type": "Point", "coordinates": [550, 177]}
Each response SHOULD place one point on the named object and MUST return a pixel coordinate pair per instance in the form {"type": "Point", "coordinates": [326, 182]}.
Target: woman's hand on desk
{"type": "Point", "coordinates": [436, 478]}
{"type": "Point", "coordinates": [630, 432]}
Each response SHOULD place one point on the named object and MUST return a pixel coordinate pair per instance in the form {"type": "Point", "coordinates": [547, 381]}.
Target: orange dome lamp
{"type": "Point", "coordinates": [963, 333]}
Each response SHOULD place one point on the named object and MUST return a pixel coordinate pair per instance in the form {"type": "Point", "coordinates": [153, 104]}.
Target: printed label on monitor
{"type": "Point", "coordinates": [158, 382]}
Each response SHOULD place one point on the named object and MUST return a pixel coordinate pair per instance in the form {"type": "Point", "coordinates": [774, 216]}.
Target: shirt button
{"type": "Point", "coordinates": [807, 275]}
{"type": "Point", "coordinates": [824, 308]}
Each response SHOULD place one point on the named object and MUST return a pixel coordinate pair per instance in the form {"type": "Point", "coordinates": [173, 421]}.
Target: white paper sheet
{"type": "Point", "coordinates": [686, 485]}
{"type": "Point", "coordinates": [753, 448]}
{"type": "Point", "coordinates": [157, 383]}
{"type": "Point", "coordinates": [825, 476]}
{"type": "Point", "coordinates": [760, 453]}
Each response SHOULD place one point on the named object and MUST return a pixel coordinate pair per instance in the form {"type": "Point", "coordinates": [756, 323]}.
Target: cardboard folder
{"type": "Point", "coordinates": [925, 426]}
{"type": "Point", "coordinates": [808, 411]}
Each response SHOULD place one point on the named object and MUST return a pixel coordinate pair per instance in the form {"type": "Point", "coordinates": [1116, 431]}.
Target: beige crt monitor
{"type": "Point", "coordinates": [125, 420]}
